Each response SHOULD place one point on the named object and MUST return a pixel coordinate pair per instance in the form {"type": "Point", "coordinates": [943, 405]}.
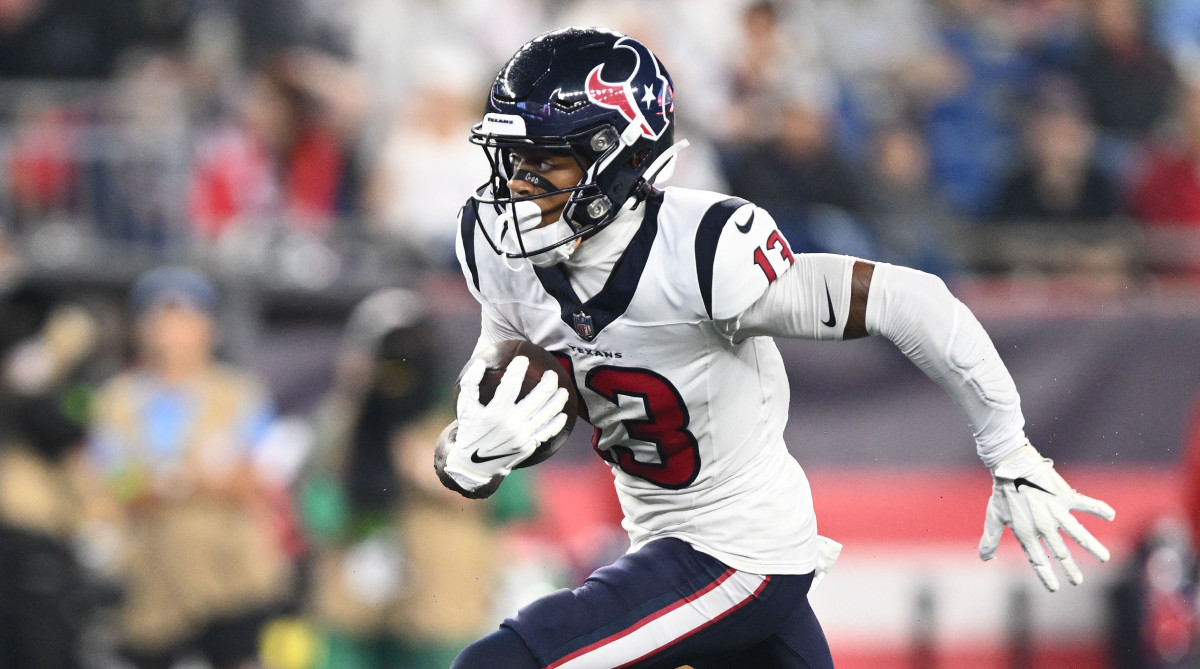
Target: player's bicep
{"type": "Point", "coordinates": [822, 297]}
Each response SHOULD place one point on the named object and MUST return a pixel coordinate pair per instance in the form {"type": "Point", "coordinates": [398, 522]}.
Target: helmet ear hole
{"type": "Point", "coordinates": [637, 159]}
{"type": "Point", "coordinates": [602, 141]}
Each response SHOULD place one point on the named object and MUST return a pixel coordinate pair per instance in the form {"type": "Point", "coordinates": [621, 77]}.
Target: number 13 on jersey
{"type": "Point", "coordinates": [665, 425]}
{"type": "Point", "coordinates": [775, 245]}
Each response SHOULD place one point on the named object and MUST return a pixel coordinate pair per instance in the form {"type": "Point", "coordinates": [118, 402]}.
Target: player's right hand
{"type": "Point", "coordinates": [1029, 496]}
{"type": "Point", "coordinates": [494, 438]}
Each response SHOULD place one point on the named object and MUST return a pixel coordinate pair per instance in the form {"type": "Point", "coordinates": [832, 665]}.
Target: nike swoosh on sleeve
{"type": "Point", "coordinates": [745, 227]}
{"type": "Point", "coordinates": [829, 301]}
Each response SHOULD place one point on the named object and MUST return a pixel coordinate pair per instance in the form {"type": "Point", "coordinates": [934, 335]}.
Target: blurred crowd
{"type": "Point", "coordinates": [157, 505]}
{"type": "Point", "coordinates": [319, 140]}
{"type": "Point", "coordinates": [157, 511]}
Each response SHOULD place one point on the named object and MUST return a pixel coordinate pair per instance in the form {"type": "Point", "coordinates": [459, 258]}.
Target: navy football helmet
{"type": "Point", "coordinates": [597, 95]}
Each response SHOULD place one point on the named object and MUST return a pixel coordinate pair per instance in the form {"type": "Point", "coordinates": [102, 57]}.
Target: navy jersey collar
{"type": "Point", "coordinates": [589, 318]}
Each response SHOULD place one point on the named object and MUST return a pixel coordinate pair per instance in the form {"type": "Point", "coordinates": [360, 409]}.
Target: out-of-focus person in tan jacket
{"type": "Point", "coordinates": [174, 439]}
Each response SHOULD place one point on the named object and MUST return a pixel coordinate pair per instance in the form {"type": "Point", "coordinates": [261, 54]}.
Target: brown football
{"type": "Point", "coordinates": [497, 357]}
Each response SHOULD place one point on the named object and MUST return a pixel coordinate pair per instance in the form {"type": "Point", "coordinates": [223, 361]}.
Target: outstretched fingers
{"type": "Point", "coordinates": [993, 531]}
{"type": "Point", "coordinates": [1025, 529]}
{"type": "Point", "coordinates": [1093, 506]}
{"type": "Point", "coordinates": [1058, 548]}
{"type": "Point", "coordinates": [1083, 537]}
{"type": "Point", "coordinates": [1040, 563]}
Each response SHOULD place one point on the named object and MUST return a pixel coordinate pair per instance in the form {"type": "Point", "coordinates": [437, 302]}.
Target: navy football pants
{"type": "Point", "coordinates": [663, 606]}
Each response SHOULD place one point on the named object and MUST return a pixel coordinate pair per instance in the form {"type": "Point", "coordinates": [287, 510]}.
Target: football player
{"type": "Point", "coordinates": [662, 305]}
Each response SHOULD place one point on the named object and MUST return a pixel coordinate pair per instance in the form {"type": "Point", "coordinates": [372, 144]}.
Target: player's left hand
{"type": "Point", "coordinates": [1032, 499]}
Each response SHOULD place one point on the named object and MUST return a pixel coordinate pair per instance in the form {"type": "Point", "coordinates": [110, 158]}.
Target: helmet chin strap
{"type": "Point", "coordinates": [664, 165]}
{"type": "Point", "coordinates": [526, 217]}
{"type": "Point", "coordinates": [547, 235]}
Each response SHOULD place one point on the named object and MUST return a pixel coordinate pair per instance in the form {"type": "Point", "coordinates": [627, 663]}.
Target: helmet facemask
{"type": "Point", "coordinates": [589, 206]}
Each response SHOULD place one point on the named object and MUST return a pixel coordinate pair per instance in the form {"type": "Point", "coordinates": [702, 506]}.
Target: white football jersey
{"type": "Point", "coordinates": [691, 422]}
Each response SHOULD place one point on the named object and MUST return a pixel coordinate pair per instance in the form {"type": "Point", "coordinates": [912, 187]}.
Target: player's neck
{"type": "Point", "coordinates": [604, 247]}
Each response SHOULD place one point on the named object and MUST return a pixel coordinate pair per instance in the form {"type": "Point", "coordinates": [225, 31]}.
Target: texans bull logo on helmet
{"type": "Point", "coordinates": [622, 96]}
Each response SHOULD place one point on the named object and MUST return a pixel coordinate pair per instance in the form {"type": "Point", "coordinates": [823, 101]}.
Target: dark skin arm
{"type": "Point", "coordinates": [860, 286]}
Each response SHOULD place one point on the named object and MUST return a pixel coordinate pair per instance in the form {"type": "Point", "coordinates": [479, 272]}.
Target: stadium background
{"type": "Point", "coordinates": [1040, 155]}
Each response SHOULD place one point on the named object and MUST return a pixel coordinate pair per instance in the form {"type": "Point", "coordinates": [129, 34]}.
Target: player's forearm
{"type": "Point", "coordinates": [941, 336]}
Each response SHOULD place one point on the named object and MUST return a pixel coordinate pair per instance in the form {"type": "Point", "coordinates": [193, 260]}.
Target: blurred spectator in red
{"type": "Point", "coordinates": [41, 166]}
{"type": "Point", "coordinates": [1058, 177]}
{"type": "Point", "coordinates": [289, 157]}
{"type": "Point", "coordinates": [1168, 192]}
{"type": "Point", "coordinates": [174, 440]}
{"type": "Point", "coordinates": [911, 222]}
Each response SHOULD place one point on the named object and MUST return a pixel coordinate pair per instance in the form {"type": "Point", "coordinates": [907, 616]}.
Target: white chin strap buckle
{"type": "Point", "coordinates": [529, 217]}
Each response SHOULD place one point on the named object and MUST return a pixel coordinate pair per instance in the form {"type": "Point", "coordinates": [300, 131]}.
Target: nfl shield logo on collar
{"type": "Point", "coordinates": [583, 325]}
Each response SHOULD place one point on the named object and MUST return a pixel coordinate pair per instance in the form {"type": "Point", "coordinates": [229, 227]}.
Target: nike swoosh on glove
{"type": "Point", "coordinates": [494, 438]}
{"type": "Point", "coordinates": [1032, 499]}
{"type": "Point", "coordinates": [828, 551]}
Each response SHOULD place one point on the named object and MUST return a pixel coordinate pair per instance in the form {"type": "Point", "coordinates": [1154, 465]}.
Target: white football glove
{"type": "Point", "coordinates": [828, 551]}
{"type": "Point", "coordinates": [494, 438]}
{"type": "Point", "coordinates": [1032, 499]}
